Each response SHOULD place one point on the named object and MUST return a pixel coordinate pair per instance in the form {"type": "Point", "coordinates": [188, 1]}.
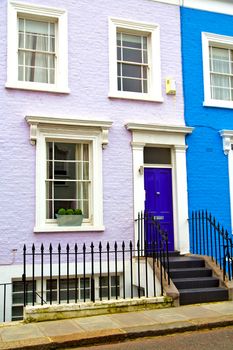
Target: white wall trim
{"type": "Point", "coordinates": [227, 138]}
{"type": "Point", "coordinates": [174, 138]}
{"type": "Point", "coordinates": [219, 6]}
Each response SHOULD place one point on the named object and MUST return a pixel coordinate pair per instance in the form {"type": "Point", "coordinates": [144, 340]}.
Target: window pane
{"type": "Point", "coordinates": [21, 73]}
{"type": "Point", "coordinates": [36, 59]}
{"type": "Point", "coordinates": [131, 41]}
{"type": "Point", "coordinates": [65, 191]}
{"type": "Point", "coordinates": [119, 84]}
{"type": "Point", "coordinates": [145, 42]}
{"type": "Point", "coordinates": [132, 85]}
{"type": "Point", "coordinates": [85, 152]}
{"type": "Point", "coordinates": [38, 75]}
{"type": "Point", "coordinates": [132, 55]}
{"type": "Point", "coordinates": [64, 151]}
{"type": "Point", "coordinates": [17, 313]}
{"type": "Point", "coordinates": [145, 57]}
{"type": "Point", "coordinates": [221, 94]}
{"type": "Point", "coordinates": [64, 170]}
{"type": "Point", "coordinates": [119, 54]}
{"type": "Point", "coordinates": [87, 282]}
{"type": "Point", "coordinates": [118, 39]}
{"type": "Point", "coordinates": [51, 290]}
{"type": "Point", "coordinates": [21, 57]}
{"type": "Point", "coordinates": [36, 27]}
{"type": "Point", "coordinates": [87, 294]}
{"type": "Point", "coordinates": [145, 86]}
{"type": "Point", "coordinates": [154, 155]}
{"type": "Point", "coordinates": [52, 76]}
{"type": "Point", "coordinates": [129, 70]}
{"type": "Point", "coordinates": [86, 171]}
{"type": "Point", "coordinates": [220, 80]}
{"type": "Point", "coordinates": [220, 60]}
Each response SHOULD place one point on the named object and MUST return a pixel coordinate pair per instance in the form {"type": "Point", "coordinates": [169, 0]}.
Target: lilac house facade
{"type": "Point", "coordinates": [92, 104]}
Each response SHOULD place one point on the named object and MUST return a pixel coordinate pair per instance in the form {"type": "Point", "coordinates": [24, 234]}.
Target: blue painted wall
{"type": "Point", "coordinates": [208, 183]}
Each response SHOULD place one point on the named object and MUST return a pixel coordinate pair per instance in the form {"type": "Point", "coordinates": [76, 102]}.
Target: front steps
{"type": "Point", "coordinates": [194, 281]}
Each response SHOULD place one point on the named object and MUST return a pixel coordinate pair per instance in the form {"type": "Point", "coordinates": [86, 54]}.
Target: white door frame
{"type": "Point", "coordinates": [174, 138]}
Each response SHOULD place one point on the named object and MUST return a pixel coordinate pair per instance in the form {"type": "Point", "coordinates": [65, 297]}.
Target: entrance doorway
{"type": "Point", "coordinates": [158, 188]}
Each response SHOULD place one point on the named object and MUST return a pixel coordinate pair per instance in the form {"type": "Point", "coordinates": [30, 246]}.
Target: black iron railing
{"type": "Point", "coordinates": [91, 272]}
{"type": "Point", "coordinates": [208, 237]}
{"type": "Point", "coordinates": [154, 242]}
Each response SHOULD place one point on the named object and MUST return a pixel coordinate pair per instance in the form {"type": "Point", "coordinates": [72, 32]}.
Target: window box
{"type": "Point", "coordinates": [69, 220]}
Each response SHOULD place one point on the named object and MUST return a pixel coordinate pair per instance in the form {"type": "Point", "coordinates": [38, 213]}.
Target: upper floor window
{"type": "Point", "coordinates": [218, 70]}
{"type": "Point", "coordinates": [37, 48]}
{"type": "Point", "coordinates": [221, 73]}
{"type": "Point", "coordinates": [134, 60]}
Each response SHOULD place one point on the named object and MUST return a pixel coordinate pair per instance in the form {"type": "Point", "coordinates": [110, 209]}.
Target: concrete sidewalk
{"type": "Point", "coordinates": [117, 327]}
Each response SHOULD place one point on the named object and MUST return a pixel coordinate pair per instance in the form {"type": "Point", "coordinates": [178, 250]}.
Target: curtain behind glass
{"type": "Point", "coordinates": [36, 58]}
{"type": "Point", "coordinates": [221, 70]}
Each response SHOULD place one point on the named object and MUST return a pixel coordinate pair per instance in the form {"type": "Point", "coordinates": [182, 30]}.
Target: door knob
{"type": "Point", "coordinates": [157, 193]}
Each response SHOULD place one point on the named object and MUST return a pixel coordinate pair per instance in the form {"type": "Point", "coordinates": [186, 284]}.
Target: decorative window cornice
{"type": "Point", "coordinates": [36, 122]}
{"type": "Point", "coordinates": [159, 128]}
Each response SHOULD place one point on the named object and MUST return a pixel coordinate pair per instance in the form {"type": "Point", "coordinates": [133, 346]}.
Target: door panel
{"type": "Point", "coordinates": [158, 187]}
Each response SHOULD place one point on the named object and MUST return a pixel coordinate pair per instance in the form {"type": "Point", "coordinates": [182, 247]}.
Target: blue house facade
{"type": "Point", "coordinates": [207, 54]}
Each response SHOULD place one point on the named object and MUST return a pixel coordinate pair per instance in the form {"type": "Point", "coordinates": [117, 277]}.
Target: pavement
{"type": "Point", "coordinates": [87, 331]}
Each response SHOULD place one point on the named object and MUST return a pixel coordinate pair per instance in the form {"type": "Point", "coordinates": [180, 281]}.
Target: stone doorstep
{"type": "Point", "coordinates": [46, 312]}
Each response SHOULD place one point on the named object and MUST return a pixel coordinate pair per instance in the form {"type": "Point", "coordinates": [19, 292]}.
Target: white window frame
{"type": "Point", "coordinates": [154, 72]}
{"type": "Point", "coordinates": [210, 39]}
{"type": "Point", "coordinates": [43, 129]}
{"type": "Point", "coordinates": [37, 12]}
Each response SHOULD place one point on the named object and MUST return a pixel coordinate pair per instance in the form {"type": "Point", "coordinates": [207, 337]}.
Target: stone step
{"type": "Point", "coordinates": [202, 295]}
{"type": "Point", "coordinates": [185, 262]}
{"type": "Point", "coordinates": [196, 282]}
{"type": "Point", "coordinates": [190, 272]}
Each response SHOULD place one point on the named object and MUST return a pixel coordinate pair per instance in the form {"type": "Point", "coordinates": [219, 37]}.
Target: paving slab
{"type": "Point", "coordinates": [132, 318]}
{"type": "Point", "coordinates": [21, 332]}
{"type": "Point", "coordinates": [54, 328]}
{"type": "Point", "coordinates": [95, 322]}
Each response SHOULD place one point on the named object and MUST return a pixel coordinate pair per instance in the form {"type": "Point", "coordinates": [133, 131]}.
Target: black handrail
{"type": "Point", "coordinates": [208, 237]}
{"type": "Point", "coordinates": [154, 241]}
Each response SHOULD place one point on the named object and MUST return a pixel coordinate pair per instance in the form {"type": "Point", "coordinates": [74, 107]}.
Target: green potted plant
{"type": "Point", "coordinates": [69, 217]}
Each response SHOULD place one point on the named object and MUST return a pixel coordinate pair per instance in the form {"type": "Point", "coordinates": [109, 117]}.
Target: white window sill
{"type": "Point", "coordinates": [218, 103]}
{"type": "Point", "coordinates": [136, 96]}
{"type": "Point", "coordinates": [56, 228]}
{"type": "Point", "coordinates": [37, 87]}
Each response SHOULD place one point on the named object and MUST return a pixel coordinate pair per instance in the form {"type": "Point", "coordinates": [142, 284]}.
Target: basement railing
{"type": "Point", "coordinates": [208, 237]}
{"type": "Point", "coordinates": [93, 272]}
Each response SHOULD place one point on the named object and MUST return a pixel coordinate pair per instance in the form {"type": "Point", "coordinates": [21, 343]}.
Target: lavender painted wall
{"type": "Point", "coordinates": [88, 83]}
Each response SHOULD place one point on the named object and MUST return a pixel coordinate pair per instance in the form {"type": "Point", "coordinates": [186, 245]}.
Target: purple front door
{"type": "Point", "coordinates": [158, 187]}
